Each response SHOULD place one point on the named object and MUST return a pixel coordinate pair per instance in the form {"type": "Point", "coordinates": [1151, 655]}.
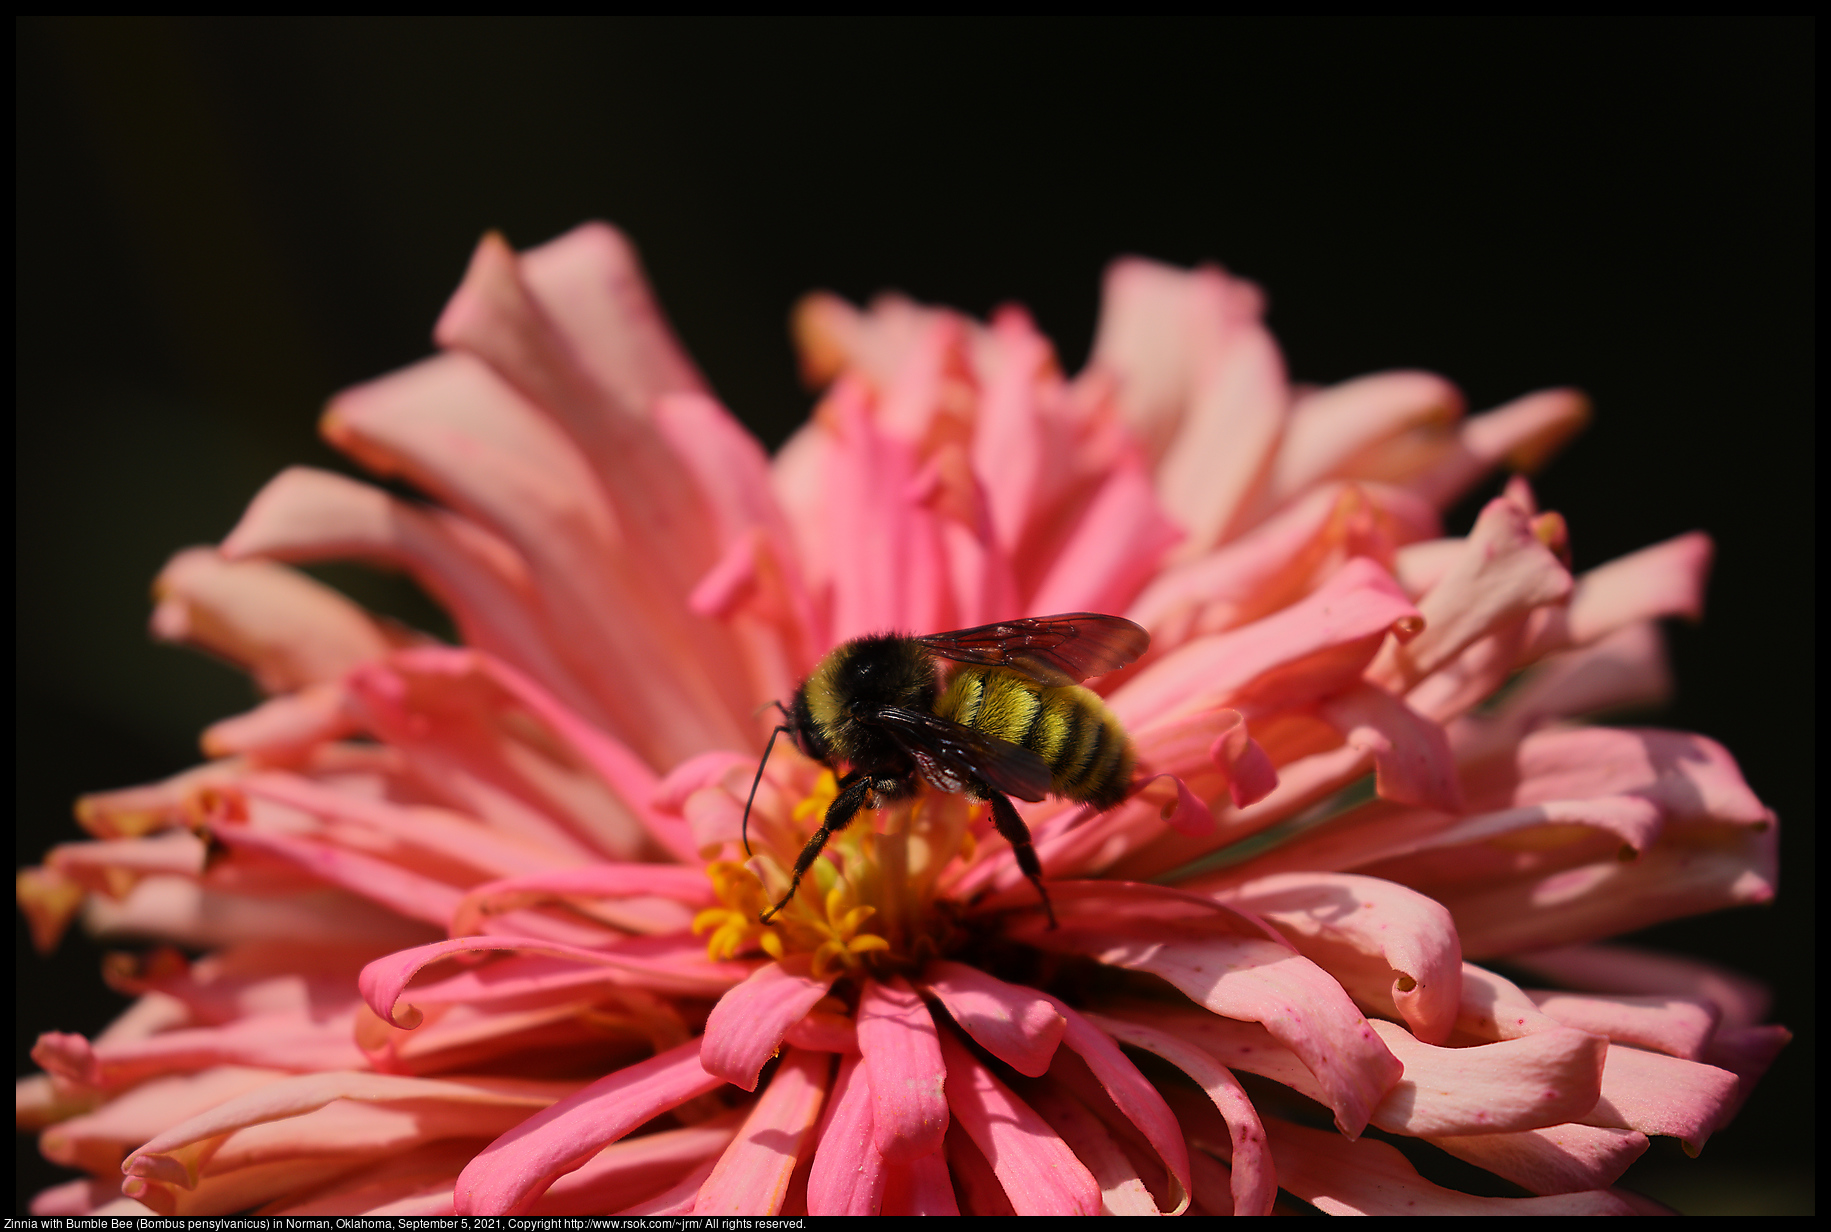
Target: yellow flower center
{"type": "Point", "coordinates": [867, 905]}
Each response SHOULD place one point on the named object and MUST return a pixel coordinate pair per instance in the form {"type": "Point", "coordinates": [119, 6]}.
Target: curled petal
{"type": "Point", "coordinates": [1239, 976]}
{"type": "Point", "coordinates": [1018, 1025]}
{"type": "Point", "coordinates": [1411, 754]}
{"type": "Point", "coordinates": [1503, 572]}
{"type": "Point", "coordinates": [748, 1023]}
{"type": "Point", "coordinates": [1539, 1080]}
{"type": "Point", "coordinates": [510, 1174]}
{"type": "Point", "coordinates": [1392, 948]}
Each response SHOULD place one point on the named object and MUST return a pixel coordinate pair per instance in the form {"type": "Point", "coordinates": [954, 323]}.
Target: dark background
{"type": "Point", "coordinates": [219, 223]}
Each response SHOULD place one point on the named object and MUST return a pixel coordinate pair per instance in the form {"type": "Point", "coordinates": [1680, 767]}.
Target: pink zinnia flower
{"type": "Point", "coordinates": [481, 936]}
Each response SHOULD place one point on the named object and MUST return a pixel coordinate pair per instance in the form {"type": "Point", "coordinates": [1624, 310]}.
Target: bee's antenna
{"type": "Point", "coordinates": [756, 782]}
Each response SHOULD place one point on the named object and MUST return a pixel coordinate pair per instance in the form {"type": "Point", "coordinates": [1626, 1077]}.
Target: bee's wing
{"type": "Point", "coordinates": [1054, 650]}
{"type": "Point", "coordinates": [953, 755]}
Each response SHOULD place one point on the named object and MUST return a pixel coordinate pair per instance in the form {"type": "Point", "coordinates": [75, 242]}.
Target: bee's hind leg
{"type": "Point", "coordinates": [854, 790]}
{"type": "Point", "coordinates": [1004, 816]}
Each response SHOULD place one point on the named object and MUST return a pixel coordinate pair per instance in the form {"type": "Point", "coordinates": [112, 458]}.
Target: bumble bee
{"type": "Point", "coordinates": [1014, 722]}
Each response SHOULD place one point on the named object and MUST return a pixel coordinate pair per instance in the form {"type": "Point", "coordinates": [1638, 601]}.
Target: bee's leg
{"type": "Point", "coordinates": [1009, 824]}
{"type": "Point", "coordinates": [854, 789]}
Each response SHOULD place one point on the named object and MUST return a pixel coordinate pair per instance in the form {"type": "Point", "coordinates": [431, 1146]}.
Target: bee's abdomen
{"type": "Point", "coordinates": [1087, 751]}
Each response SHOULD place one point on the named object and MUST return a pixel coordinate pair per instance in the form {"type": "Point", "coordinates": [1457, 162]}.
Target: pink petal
{"type": "Point", "coordinates": [1626, 969]}
{"type": "Point", "coordinates": [751, 1177]}
{"type": "Point", "coordinates": [505, 749]}
{"type": "Point", "coordinates": [1036, 1169]}
{"type": "Point", "coordinates": [1122, 1188]}
{"type": "Point", "coordinates": [1661, 581]}
{"type": "Point", "coordinates": [1249, 771]}
{"type": "Point", "coordinates": [1411, 754]}
{"type": "Point", "coordinates": [407, 1182]}
{"type": "Point", "coordinates": [635, 1169]}
{"type": "Point", "coordinates": [283, 728]}
{"type": "Point", "coordinates": [591, 286]}
{"type": "Point", "coordinates": [1522, 434]}
{"type": "Point", "coordinates": [824, 1031]}
{"type": "Point", "coordinates": [1684, 875]}
{"type": "Point", "coordinates": [1391, 948]}
{"type": "Point", "coordinates": [1676, 1027]}
{"type": "Point", "coordinates": [976, 1185]}
{"type": "Point", "coordinates": [919, 1188]}
{"type": "Point", "coordinates": [1130, 1092]}
{"type": "Point", "coordinates": [687, 887]}
{"type": "Point", "coordinates": [97, 1141]}
{"type": "Point", "coordinates": [182, 912]}
{"type": "Point", "coordinates": [1663, 1095]}
{"type": "Point", "coordinates": [1307, 651]}
{"type": "Point", "coordinates": [1280, 560]}
{"type": "Point", "coordinates": [677, 1199]}
{"type": "Point", "coordinates": [1238, 976]}
{"type": "Point", "coordinates": [1542, 1079]}
{"type": "Point", "coordinates": [496, 316]}
{"type": "Point", "coordinates": [747, 1025]}
{"type": "Point", "coordinates": [1503, 573]}
{"type": "Point", "coordinates": [408, 893]}
{"type": "Point", "coordinates": [305, 515]}
{"type": "Point", "coordinates": [134, 811]}
{"type": "Point", "coordinates": [1626, 670]}
{"type": "Point", "coordinates": [1558, 1159]}
{"type": "Point", "coordinates": [81, 1196]}
{"type": "Point", "coordinates": [1254, 1186]}
{"type": "Point", "coordinates": [848, 1175]}
{"type": "Point", "coordinates": [1371, 1178]}
{"type": "Point", "coordinates": [1745, 1052]}
{"type": "Point", "coordinates": [871, 475]}
{"type": "Point", "coordinates": [1018, 1025]}
{"type": "Point", "coordinates": [178, 1154]}
{"type": "Point", "coordinates": [285, 629]}
{"type": "Point", "coordinates": [1158, 328]}
{"type": "Point", "coordinates": [903, 1058]}
{"type": "Point", "coordinates": [406, 834]}
{"type": "Point", "coordinates": [653, 674]}
{"type": "Point", "coordinates": [511, 1173]}
{"type": "Point", "coordinates": [1222, 454]}
{"type": "Point", "coordinates": [1494, 1008]}
{"type": "Point", "coordinates": [1329, 427]}
{"type": "Point", "coordinates": [1009, 446]}
{"type": "Point", "coordinates": [384, 981]}
{"type": "Point", "coordinates": [1114, 550]}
